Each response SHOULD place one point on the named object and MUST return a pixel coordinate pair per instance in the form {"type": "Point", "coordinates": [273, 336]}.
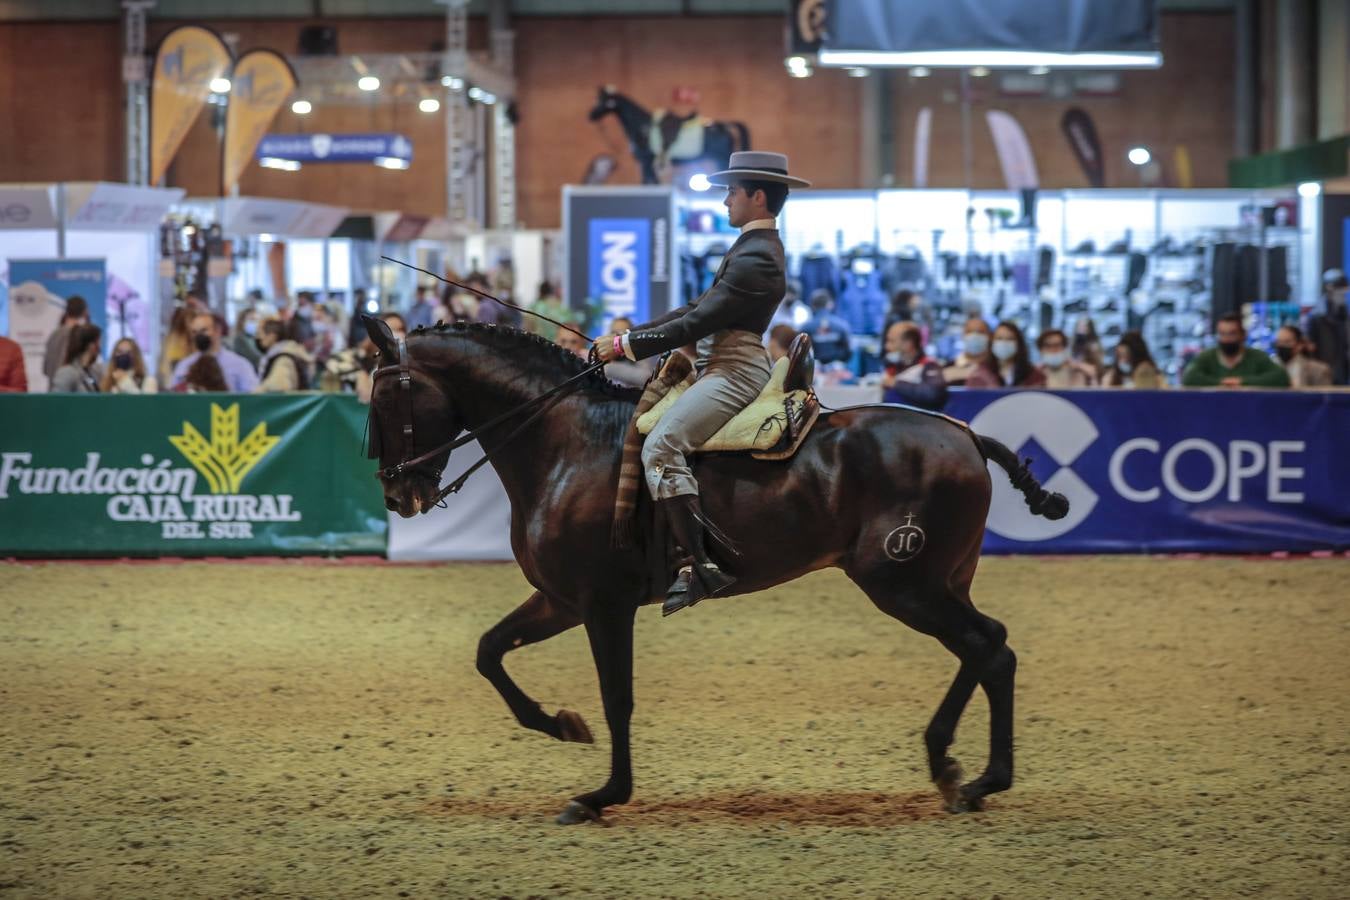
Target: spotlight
{"type": "Point", "coordinates": [699, 182]}
{"type": "Point", "coordinates": [220, 85]}
{"type": "Point", "coordinates": [1309, 189]}
{"type": "Point", "coordinates": [391, 162]}
{"type": "Point", "coordinates": [368, 83]}
{"type": "Point", "coordinates": [857, 72]}
{"type": "Point", "coordinates": [372, 306]}
{"type": "Point", "coordinates": [919, 72]}
{"type": "Point", "coordinates": [475, 93]}
{"type": "Point", "coordinates": [302, 107]}
{"type": "Point", "coordinates": [1039, 70]}
{"type": "Point", "coordinates": [1139, 156]}
{"type": "Point", "coordinates": [453, 83]}
{"type": "Point", "coordinates": [285, 165]}
{"type": "Point", "coordinates": [429, 104]}
{"type": "Point", "coordinates": [489, 98]}
{"type": "Point", "coordinates": [979, 72]}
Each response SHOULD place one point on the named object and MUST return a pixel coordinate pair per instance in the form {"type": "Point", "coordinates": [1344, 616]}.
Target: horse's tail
{"type": "Point", "coordinates": [1040, 501]}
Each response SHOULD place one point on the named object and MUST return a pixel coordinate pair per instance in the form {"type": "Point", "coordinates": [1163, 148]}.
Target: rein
{"type": "Point", "coordinates": [403, 369]}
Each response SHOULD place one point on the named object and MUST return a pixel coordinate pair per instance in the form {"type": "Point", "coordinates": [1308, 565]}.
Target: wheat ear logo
{"type": "Point", "coordinates": [224, 460]}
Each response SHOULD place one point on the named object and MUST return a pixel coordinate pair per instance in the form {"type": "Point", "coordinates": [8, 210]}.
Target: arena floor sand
{"type": "Point", "coordinates": [276, 729]}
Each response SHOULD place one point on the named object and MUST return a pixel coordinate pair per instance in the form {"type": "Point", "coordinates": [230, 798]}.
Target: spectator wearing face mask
{"type": "Point", "coordinates": [1132, 365]}
{"type": "Point", "coordinates": [126, 371]}
{"type": "Point", "coordinates": [909, 376]}
{"type": "Point", "coordinates": [1329, 327]}
{"type": "Point", "coordinates": [1059, 370]}
{"type": "Point", "coordinates": [328, 336]}
{"type": "Point", "coordinates": [974, 352]}
{"type": "Point", "coordinates": [1304, 371]}
{"type": "Point", "coordinates": [245, 330]}
{"type": "Point", "coordinates": [205, 330]}
{"type": "Point", "coordinates": [286, 364]}
{"type": "Point", "coordinates": [1232, 363]}
{"type": "Point", "coordinates": [1011, 360]}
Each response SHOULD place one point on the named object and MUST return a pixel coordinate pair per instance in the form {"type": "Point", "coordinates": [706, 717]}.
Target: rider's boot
{"type": "Point", "coordinates": [705, 578]}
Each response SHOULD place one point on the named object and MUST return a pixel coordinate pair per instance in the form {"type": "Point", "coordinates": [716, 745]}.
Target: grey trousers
{"type": "Point", "coordinates": [733, 368]}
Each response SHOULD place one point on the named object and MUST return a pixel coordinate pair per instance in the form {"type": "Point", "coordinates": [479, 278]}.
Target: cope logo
{"type": "Point", "coordinates": [1065, 431]}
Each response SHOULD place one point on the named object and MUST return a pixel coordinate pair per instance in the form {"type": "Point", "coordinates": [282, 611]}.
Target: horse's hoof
{"type": "Point", "coordinates": [573, 728]}
{"type": "Point", "coordinates": [575, 813]}
{"type": "Point", "coordinates": [964, 803]}
{"type": "Point", "coordinates": [949, 784]}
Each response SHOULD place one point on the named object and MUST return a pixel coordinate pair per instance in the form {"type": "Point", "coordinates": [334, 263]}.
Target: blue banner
{"type": "Point", "coordinates": [619, 266]}
{"type": "Point", "coordinates": [38, 292]}
{"type": "Point", "coordinates": [318, 148]}
{"type": "Point", "coordinates": [1171, 471]}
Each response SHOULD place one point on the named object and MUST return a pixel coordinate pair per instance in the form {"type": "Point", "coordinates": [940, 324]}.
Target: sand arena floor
{"type": "Point", "coordinates": [283, 729]}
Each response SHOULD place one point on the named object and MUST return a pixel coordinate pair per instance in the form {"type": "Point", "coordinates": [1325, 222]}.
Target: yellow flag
{"type": "Point", "coordinates": [186, 61]}
{"type": "Point", "coordinates": [1181, 160]}
{"type": "Point", "coordinates": [262, 82]}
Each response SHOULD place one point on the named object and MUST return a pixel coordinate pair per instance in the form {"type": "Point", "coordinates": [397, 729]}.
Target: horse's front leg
{"type": "Point", "coordinates": [611, 635]}
{"type": "Point", "coordinates": [537, 619]}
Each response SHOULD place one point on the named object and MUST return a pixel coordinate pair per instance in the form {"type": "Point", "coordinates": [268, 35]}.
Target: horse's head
{"type": "Point", "coordinates": [410, 416]}
{"type": "Point", "coordinates": [606, 102]}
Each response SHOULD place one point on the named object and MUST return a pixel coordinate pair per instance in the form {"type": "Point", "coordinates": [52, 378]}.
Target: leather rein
{"type": "Point", "coordinates": [403, 369]}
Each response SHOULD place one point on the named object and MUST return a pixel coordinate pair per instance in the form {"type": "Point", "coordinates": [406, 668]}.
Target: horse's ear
{"type": "Point", "coordinates": [381, 335]}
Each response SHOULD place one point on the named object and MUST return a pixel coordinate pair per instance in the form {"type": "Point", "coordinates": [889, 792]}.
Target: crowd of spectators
{"type": "Point", "coordinates": [312, 344]}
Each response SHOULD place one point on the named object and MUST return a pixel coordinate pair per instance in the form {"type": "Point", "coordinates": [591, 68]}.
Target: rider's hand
{"type": "Point", "coordinates": [604, 348]}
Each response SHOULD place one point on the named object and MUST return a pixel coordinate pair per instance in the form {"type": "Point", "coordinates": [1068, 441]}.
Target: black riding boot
{"type": "Point", "coordinates": [707, 580]}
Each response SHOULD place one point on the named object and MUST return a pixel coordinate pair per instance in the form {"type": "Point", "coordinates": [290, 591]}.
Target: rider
{"type": "Point", "coordinates": [732, 367]}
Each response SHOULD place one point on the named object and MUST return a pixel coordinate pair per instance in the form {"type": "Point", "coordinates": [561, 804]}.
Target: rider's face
{"type": "Point", "coordinates": [738, 206]}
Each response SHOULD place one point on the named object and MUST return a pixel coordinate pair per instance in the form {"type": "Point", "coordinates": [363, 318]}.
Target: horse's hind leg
{"type": "Point", "coordinates": [537, 619]}
{"type": "Point", "coordinates": [945, 612]}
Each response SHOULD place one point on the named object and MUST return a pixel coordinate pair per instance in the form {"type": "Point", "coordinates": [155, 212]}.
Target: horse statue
{"type": "Point", "coordinates": [664, 139]}
{"type": "Point", "coordinates": [894, 496]}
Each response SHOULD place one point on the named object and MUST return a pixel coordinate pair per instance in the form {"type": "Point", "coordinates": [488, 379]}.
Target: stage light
{"type": "Point", "coordinates": [372, 306]}
{"type": "Point", "coordinates": [220, 85]}
{"type": "Point", "coordinates": [1139, 156]}
{"type": "Point", "coordinates": [1309, 189]}
{"type": "Point", "coordinates": [285, 165]}
{"type": "Point", "coordinates": [857, 72]}
{"type": "Point", "coordinates": [368, 83]}
{"type": "Point", "coordinates": [1039, 70]}
{"type": "Point", "coordinates": [302, 107]}
{"type": "Point", "coordinates": [919, 72]}
{"type": "Point", "coordinates": [391, 162]}
{"type": "Point", "coordinates": [453, 83]}
{"type": "Point", "coordinates": [475, 93]}
{"type": "Point", "coordinates": [979, 72]}
{"type": "Point", "coordinates": [429, 104]}
{"type": "Point", "coordinates": [489, 98]}
{"type": "Point", "coordinates": [699, 182]}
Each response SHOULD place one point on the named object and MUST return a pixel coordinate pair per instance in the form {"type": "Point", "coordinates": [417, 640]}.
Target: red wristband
{"type": "Point", "coordinates": [618, 346]}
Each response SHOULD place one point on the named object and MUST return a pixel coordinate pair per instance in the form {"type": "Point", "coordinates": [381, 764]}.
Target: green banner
{"type": "Point", "coordinates": [186, 475]}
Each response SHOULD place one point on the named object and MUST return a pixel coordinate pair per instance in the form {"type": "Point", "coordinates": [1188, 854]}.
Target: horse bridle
{"type": "Point", "coordinates": [404, 369]}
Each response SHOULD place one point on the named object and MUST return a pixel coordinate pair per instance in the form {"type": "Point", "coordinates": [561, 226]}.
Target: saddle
{"type": "Point", "coordinates": [772, 426]}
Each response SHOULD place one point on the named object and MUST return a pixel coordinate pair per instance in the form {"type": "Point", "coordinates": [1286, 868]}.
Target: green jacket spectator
{"type": "Point", "coordinates": [1254, 369]}
{"type": "Point", "coordinates": [1232, 364]}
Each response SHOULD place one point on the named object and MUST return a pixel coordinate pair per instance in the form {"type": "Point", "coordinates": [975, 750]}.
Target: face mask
{"type": "Point", "coordinates": [122, 361]}
{"type": "Point", "coordinates": [304, 312]}
{"type": "Point", "coordinates": [975, 343]}
{"type": "Point", "coordinates": [1056, 359]}
{"type": "Point", "coordinates": [1004, 350]}
{"type": "Point", "coordinates": [895, 357]}
{"type": "Point", "coordinates": [202, 342]}
{"type": "Point", "coordinates": [1230, 348]}
{"type": "Point", "coordinates": [1284, 353]}
{"type": "Point", "coordinates": [1124, 367]}
{"type": "Point", "coordinates": [250, 328]}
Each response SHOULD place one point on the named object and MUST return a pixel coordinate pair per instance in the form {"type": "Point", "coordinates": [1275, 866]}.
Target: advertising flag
{"type": "Point", "coordinates": [1082, 134]}
{"type": "Point", "coordinates": [187, 60]}
{"type": "Point", "coordinates": [1014, 151]}
{"type": "Point", "coordinates": [262, 82]}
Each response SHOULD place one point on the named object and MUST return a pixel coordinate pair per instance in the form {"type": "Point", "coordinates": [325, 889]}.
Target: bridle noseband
{"type": "Point", "coordinates": [403, 369]}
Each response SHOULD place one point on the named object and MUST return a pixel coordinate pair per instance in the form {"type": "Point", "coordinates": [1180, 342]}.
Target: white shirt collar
{"type": "Point", "coordinates": [759, 223]}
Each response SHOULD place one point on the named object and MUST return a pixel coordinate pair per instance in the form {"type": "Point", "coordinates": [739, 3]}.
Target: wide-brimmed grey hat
{"type": "Point", "coordinates": [756, 165]}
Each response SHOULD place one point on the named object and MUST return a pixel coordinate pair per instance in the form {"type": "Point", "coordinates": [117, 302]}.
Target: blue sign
{"type": "Point", "coordinates": [320, 148]}
{"type": "Point", "coordinates": [619, 267]}
{"type": "Point", "coordinates": [1171, 471]}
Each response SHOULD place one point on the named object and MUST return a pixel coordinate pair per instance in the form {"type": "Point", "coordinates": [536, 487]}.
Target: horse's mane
{"type": "Point", "coordinates": [563, 363]}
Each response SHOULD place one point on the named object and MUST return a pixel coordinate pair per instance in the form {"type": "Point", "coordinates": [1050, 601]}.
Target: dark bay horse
{"type": "Point", "coordinates": [720, 139]}
{"type": "Point", "coordinates": [895, 497]}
